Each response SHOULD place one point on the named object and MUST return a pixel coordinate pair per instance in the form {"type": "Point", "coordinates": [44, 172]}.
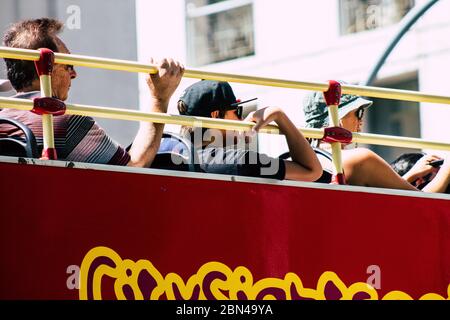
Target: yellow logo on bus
{"type": "Point", "coordinates": [141, 280]}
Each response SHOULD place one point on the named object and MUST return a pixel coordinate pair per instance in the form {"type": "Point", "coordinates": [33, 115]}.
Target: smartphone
{"type": "Point", "coordinates": [436, 163]}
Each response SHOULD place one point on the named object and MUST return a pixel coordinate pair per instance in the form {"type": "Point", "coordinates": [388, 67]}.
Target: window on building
{"type": "Point", "coordinates": [361, 15]}
{"type": "Point", "coordinates": [395, 118]}
{"type": "Point", "coordinates": [219, 30]}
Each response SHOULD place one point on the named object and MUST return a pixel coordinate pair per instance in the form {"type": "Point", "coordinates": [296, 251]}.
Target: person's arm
{"type": "Point", "coordinates": [304, 165]}
{"type": "Point", "coordinates": [161, 85]}
{"type": "Point", "coordinates": [442, 179]}
{"type": "Point", "coordinates": [363, 167]}
{"type": "Point", "coordinates": [421, 168]}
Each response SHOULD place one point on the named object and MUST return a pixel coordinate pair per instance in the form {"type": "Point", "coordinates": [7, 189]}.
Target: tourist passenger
{"type": "Point", "coordinates": [227, 152]}
{"type": "Point", "coordinates": [362, 167]}
{"type": "Point", "coordinates": [80, 138]}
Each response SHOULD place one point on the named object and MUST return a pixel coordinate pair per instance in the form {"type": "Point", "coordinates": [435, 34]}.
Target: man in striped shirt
{"type": "Point", "coordinates": [80, 138]}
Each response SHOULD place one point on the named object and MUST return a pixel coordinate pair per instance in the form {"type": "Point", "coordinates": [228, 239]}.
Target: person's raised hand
{"type": "Point", "coordinates": [421, 168]}
{"type": "Point", "coordinates": [163, 84]}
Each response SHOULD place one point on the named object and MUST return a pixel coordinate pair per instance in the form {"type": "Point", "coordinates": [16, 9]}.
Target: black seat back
{"type": "Point", "coordinates": [10, 146]}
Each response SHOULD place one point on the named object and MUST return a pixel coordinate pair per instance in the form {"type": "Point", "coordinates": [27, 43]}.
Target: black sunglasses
{"type": "Point", "coordinates": [359, 113]}
{"type": "Point", "coordinates": [238, 110]}
{"type": "Point", "coordinates": [237, 106]}
{"type": "Point", "coordinates": [69, 67]}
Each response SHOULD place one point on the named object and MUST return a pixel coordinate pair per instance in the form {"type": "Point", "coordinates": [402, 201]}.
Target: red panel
{"type": "Point", "coordinates": [44, 66]}
{"type": "Point", "coordinates": [337, 134]}
{"type": "Point", "coordinates": [333, 94]}
{"type": "Point", "coordinates": [48, 105]}
{"type": "Point", "coordinates": [179, 224]}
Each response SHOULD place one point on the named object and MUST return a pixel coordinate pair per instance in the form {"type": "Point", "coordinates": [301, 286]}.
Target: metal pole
{"type": "Point", "coordinates": [44, 69]}
{"type": "Point", "coordinates": [332, 97]}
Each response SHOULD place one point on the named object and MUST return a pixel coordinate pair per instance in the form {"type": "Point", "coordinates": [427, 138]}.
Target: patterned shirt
{"type": "Point", "coordinates": [77, 138]}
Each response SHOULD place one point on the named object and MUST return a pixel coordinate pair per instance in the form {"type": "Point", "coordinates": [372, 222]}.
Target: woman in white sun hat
{"type": "Point", "coordinates": [362, 167]}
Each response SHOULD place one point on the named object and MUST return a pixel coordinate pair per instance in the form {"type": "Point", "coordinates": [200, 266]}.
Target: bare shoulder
{"type": "Point", "coordinates": [358, 154]}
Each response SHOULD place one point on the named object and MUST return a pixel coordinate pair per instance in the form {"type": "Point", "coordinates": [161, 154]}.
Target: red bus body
{"type": "Point", "coordinates": [99, 232]}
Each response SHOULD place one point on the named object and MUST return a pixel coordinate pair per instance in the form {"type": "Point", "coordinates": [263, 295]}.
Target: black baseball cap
{"type": "Point", "coordinates": [206, 96]}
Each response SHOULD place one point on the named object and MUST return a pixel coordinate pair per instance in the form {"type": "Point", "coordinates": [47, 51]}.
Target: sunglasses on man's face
{"type": "Point", "coordinates": [237, 107]}
{"type": "Point", "coordinates": [238, 111]}
{"type": "Point", "coordinates": [69, 67]}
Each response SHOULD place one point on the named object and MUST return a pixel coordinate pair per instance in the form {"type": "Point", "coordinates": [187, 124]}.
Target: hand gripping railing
{"type": "Point", "coordinates": [332, 92]}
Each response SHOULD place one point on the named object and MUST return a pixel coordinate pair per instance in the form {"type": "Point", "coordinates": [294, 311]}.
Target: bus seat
{"type": "Point", "coordinates": [176, 153]}
{"type": "Point", "coordinates": [15, 146]}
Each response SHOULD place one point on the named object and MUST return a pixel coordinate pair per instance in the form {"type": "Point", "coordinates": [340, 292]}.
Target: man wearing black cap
{"type": "Point", "coordinates": [362, 167]}
{"type": "Point", "coordinates": [217, 149]}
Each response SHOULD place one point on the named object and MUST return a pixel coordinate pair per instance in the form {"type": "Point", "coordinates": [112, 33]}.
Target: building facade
{"type": "Point", "coordinates": [288, 39]}
{"type": "Point", "coordinates": [311, 41]}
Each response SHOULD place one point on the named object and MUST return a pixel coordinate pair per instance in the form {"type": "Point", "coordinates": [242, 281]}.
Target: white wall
{"type": "Point", "coordinates": [161, 33]}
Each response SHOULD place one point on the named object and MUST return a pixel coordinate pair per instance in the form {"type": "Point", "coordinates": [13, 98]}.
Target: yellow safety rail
{"type": "Point", "coordinates": [126, 114]}
{"type": "Point", "coordinates": [124, 65]}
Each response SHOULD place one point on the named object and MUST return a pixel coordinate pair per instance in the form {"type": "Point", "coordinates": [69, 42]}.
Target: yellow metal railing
{"type": "Point", "coordinates": [126, 114]}
{"type": "Point", "coordinates": [124, 65]}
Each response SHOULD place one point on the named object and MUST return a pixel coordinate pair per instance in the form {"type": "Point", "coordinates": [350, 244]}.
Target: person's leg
{"type": "Point", "coordinates": [363, 167]}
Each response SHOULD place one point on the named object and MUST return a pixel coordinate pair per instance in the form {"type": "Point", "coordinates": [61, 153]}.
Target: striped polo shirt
{"type": "Point", "coordinates": [77, 138]}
